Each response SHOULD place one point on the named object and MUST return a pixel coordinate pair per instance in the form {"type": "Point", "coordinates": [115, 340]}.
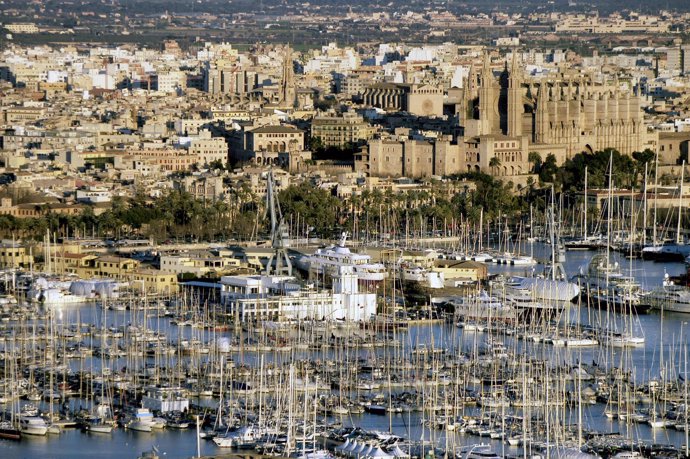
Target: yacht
{"type": "Point", "coordinates": [410, 272]}
{"type": "Point", "coordinates": [549, 289]}
{"type": "Point", "coordinates": [142, 421]}
{"type": "Point", "coordinates": [604, 285]}
{"type": "Point", "coordinates": [670, 251]}
{"type": "Point", "coordinates": [33, 425]}
{"type": "Point", "coordinates": [585, 243]}
{"type": "Point", "coordinates": [55, 296]}
{"type": "Point", "coordinates": [8, 431]}
{"type": "Point", "coordinates": [326, 262]}
{"type": "Point", "coordinates": [512, 293]}
{"type": "Point", "coordinates": [243, 438]}
{"type": "Point", "coordinates": [50, 291]}
{"type": "Point", "coordinates": [514, 260]}
{"type": "Point", "coordinates": [481, 451]}
{"type": "Point", "coordinates": [669, 297]}
{"type": "Point", "coordinates": [482, 306]}
{"type": "Point", "coordinates": [96, 424]}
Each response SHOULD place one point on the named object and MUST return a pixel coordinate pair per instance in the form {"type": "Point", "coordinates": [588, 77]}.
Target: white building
{"type": "Point", "coordinates": [208, 148]}
{"type": "Point", "coordinates": [164, 399]}
{"type": "Point", "coordinates": [198, 264]}
{"type": "Point", "coordinates": [171, 81]}
{"type": "Point", "coordinates": [94, 195]}
{"type": "Point", "coordinates": [251, 298]}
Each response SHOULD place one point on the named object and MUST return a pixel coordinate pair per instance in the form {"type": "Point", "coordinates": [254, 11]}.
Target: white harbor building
{"type": "Point", "coordinates": [276, 297]}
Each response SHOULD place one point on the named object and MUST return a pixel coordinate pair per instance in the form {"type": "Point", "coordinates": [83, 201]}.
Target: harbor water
{"type": "Point", "coordinates": [665, 338]}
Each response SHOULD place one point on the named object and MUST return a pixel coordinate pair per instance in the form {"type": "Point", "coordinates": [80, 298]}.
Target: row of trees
{"type": "Point", "coordinates": [627, 171]}
{"type": "Point", "coordinates": [177, 214]}
{"type": "Point", "coordinates": [174, 215]}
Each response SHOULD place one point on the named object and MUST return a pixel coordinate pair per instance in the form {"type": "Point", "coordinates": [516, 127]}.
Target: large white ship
{"type": "Point", "coordinates": [551, 289]}
{"type": "Point", "coordinates": [669, 297]}
{"type": "Point", "coordinates": [604, 285]}
{"type": "Point", "coordinates": [326, 262]}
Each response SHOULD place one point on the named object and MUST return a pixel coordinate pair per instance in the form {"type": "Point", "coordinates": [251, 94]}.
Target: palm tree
{"type": "Point", "coordinates": [494, 163]}
{"type": "Point", "coordinates": [535, 158]}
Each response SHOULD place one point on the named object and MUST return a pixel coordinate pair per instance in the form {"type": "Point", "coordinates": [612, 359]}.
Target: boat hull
{"type": "Point", "coordinates": [601, 301]}
{"type": "Point", "coordinates": [10, 434]}
{"type": "Point", "coordinates": [39, 431]}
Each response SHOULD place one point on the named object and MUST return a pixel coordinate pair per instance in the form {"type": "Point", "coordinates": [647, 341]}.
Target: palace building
{"type": "Point", "coordinates": [509, 116]}
{"type": "Point", "coordinates": [506, 115]}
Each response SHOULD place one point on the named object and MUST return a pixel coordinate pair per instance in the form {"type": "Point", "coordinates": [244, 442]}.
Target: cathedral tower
{"type": "Point", "coordinates": [287, 82]}
{"type": "Point", "coordinates": [488, 98]}
{"type": "Point", "coordinates": [515, 107]}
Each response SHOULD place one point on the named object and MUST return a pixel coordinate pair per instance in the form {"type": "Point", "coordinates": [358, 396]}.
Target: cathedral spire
{"type": "Point", "coordinates": [486, 66]}
{"type": "Point", "coordinates": [515, 71]}
{"type": "Point", "coordinates": [540, 127]}
{"type": "Point", "coordinates": [487, 98]}
{"type": "Point", "coordinates": [287, 82]}
{"type": "Point", "coordinates": [515, 106]}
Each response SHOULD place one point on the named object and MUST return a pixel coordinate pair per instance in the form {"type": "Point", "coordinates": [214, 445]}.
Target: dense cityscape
{"type": "Point", "coordinates": [355, 230]}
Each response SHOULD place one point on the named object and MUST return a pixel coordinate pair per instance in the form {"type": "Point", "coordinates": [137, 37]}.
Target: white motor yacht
{"type": "Point", "coordinates": [327, 261]}
{"type": "Point", "coordinates": [33, 425]}
{"type": "Point", "coordinates": [604, 285]}
{"type": "Point", "coordinates": [669, 297]}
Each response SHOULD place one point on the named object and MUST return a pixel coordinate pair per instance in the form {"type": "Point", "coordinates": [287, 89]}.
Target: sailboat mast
{"type": "Point", "coordinates": [644, 209]}
{"type": "Point", "coordinates": [608, 219]}
{"type": "Point", "coordinates": [553, 238]}
{"type": "Point", "coordinates": [481, 227]}
{"type": "Point", "coordinates": [579, 403]}
{"type": "Point", "coordinates": [680, 202]}
{"type": "Point", "coordinates": [685, 379]}
{"type": "Point", "coordinates": [584, 227]}
{"type": "Point", "coordinates": [656, 191]}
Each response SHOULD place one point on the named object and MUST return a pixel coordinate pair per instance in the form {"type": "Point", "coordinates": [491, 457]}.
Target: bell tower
{"type": "Point", "coordinates": [487, 98]}
{"type": "Point", "coordinates": [515, 107]}
{"type": "Point", "coordinates": [287, 82]}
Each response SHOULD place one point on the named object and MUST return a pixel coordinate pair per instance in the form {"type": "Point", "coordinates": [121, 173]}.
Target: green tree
{"type": "Point", "coordinates": [494, 164]}
{"type": "Point", "coordinates": [534, 157]}
{"type": "Point", "coordinates": [317, 207]}
{"type": "Point", "coordinates": [643, 157]}
{"type": "Point", "coordinates": [571, 176]}
{"type": "Point", "coordinates": [548, 169]}
{"type": "Point", "coordinates": [316, 144]}
{"type": "Point", "coordinates": [216, 164]}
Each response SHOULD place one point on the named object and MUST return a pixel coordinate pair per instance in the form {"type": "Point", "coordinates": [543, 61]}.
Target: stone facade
{"type": "Point", "coordinates": [569, 110]}
{"type": "Point", "coordinates": [279, 145]}
{"type": "Point", "coordinates": [336, 131]}
{"type": "Point", "coordinates": [209, 149]}
{"type": "Point", "coordinates": [561, 115]}
{"type": "Point", "coordinates": [410, 157]}
{"type": "Point", "coordinates": [673, 146]}
{"type": "Point", "coordinates": [421, 100]}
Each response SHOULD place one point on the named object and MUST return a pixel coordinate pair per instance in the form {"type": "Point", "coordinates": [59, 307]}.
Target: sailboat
{"type": "Point", "coordinates": [603, 284]}
{"type": "Point", "coordinates": [677, 250]}
{"type": "Point", "coordinates": [98, 421]}
{"type": "Point", "coordinates": [586, 242]}
{"type": "Point", "coordinates": [8, 428]}
{"type": "Point", "coordinates": [552, 288]}
{"type": "Point", "coordinates": [9, 432]}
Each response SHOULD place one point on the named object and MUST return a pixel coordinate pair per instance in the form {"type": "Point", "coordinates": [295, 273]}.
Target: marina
{"type": "Point", "coordinates": [125, 379]}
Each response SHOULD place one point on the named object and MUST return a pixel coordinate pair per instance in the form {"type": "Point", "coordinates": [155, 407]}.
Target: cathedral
{"type": "Point", "coordinates": [507, 116]}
